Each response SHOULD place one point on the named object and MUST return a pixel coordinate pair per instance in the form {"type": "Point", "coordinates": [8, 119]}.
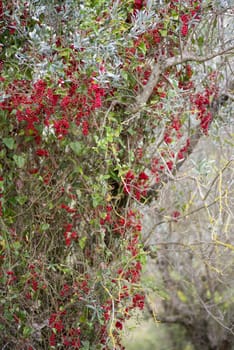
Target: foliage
{"type": "Point", "coordinates": [87, 88]}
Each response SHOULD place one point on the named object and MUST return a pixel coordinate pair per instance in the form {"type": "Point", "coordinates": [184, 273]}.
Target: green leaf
{"type": "Point", "coordinates": [142, 258]}
{"type": "Point", "coordinates": [163, 294]}
{"type": "Point", "coordinates": [64, 52]}
{"type": "Point", "coordinates": [2, 153]}
{"type": "Point", "coordinates": [200, 41]}
{"type": "Point", "coordinates": [77, 147]}
{"type": "Point", "coordinates": [83, 318]}
{"type": "Point", "coordinates": [131, 131]}
{"type": "Point", "coordinates": [125, 75]}
{"type": "Point", "coordinates": [85, 345]}
{"type": "Point", "coordinates": [22, 199]}
{"type": "Point", "coordinates": [142, 47]}
{"type": "Point", "coordinates": [163, 32]}
{"type": "Point", "coordinates": [218, 298]}
{"type": "Point", "coordinates": [182, 296]}
{"type": "Point", "coordinates": [9, 142]}
{"type": "Point", "coordinates": [82, 242]}
{"type": "Point", "coordinates": [27, 331]}
{"type": "Point", "coordinates": [154, 248]}
{"type": "Point", "coordinates": [44, 227]}
{"type": "Point", "coordinates": [19, 160]}
{"type": "Point", "coordinates": [175, 15]}
{"type": "Point", "coordinates": [97, 199]}
{"type": "Point", "coordinates": [17, 245]}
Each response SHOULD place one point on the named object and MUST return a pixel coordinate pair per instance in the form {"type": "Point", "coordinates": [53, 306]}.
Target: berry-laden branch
{"type": "Point", "coordinates": [217, 103]}
{"type": "Point", "coordinates": [162, 65]}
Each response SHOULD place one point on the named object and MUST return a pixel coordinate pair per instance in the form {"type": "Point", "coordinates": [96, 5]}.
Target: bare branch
{"type": "Point", "coordinates": [186, 57]}
{"type": "Point", "coordinates": [164, 318]}
{"type": "Point", "coordinates": [181, 318]}
{"type": "Point", "coordinates": [213, 316]}
{"type": "Point", "coordinates": [146, 239]}
{"type": "Point", "coordinates": [170, 319]}
{"type": "Point", "coordinates": [144, 96]}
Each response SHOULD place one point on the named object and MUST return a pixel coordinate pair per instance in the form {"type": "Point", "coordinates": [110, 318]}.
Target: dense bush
{"type": "Point", "coordinates": [87, 88]}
